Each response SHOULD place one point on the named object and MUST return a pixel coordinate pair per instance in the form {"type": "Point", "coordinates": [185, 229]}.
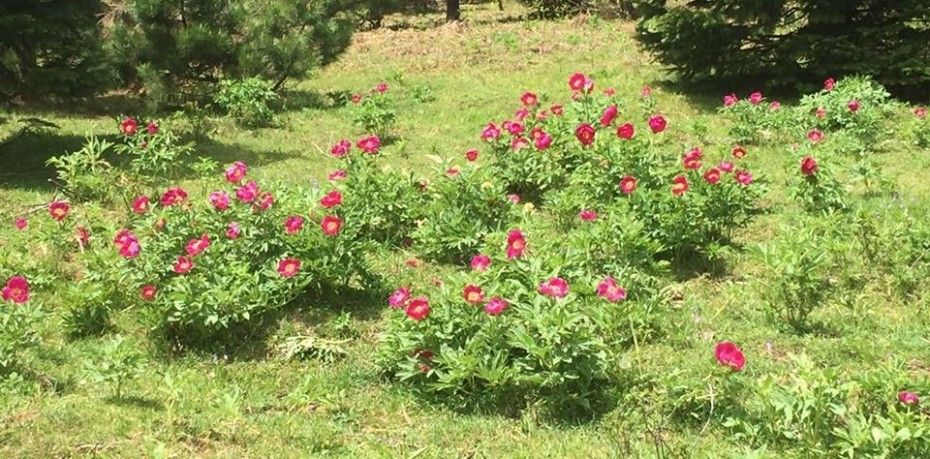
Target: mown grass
{"type": "Point", "coordinates": [244, 401]}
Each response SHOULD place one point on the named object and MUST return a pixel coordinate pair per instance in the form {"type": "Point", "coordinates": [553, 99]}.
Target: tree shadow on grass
{"type": "Point", "coordinates": [112, 105]}
{"type": "Point", "coordinates": [136, 402]}
{"type": "Point", "coordinates": [22, 160]}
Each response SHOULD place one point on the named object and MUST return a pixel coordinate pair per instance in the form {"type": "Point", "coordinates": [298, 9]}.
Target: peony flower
{"type": "Point", "coordinates": [453, 172]}
{"type": "Point", "coordinates": [399, 298]}
{"type": "Point", "coordinates": [609, 115]}
{"type": "Point", "coordinates": [580, 82]}
{"type": "Point", "coordinates": [808, 166]}
{"type": "Point", "coordinates": [480, 262]}
{"type": "Point", "coordinates": [646, 91]}
{"type": "Point", "coordinates": [657, 124]}
{"type": "Point", "coordinates": [625, 131]}
{"type": "Point", "coordinates": [544, 141]}
{"type": "Point", "coordinates": [908, 398]}
{"type": "Point", "coordinates": [127, 244]}
{"type": "Point", "coordinates": [519, 143]}
{"type": "Point", "coordinates": [775, 105]}
{"type": "Point", "coordinates": [341, 148]}
{"type": "Point", "coordinates": [152, 128]}
{"type": "Point", "coordinates": [382, 87]}
{"type": "Point", "coordinates": [247, 192]}
{"type": "Point", "coordinates": [739, 152]}
{"type": "Point", "coordinates": [726, 166]}
{"type": "Point", "coordinates": [853, 105]}
{"type": "Point", "coordinates": [16, 290]}
{"type": "Point", "coordinates": [829, 84]}
{"type": "Point", "coordinates": [609, 290]}
{"type": "Point", "coordinates": [141, 204]}
{"type": "Point", "coordinates": [815, 136]}
{"type": "Point", "coordinates": [184, 265]}
{"type": "Point", "coordinates": [82, 235]}
{"type": "Point", "coordinates": [513, 128]}
{"type": "Point", "coordinates": [587, 215]}
{"type": "Point", "coordinates": [471, 155]}
{"type": "Point", "coordinates": [529, 99]}
{"type": "Point", "coordinates": [148, 292]}
{"type": "Point", "coordinates": [356, 98]}
{"type": "Point", "coordinates": [473, 294]}
{"type": "Point", "coordinates": [730, 100]}
{"type": "Point", "coordinates": [610, 92]}
{"type": "Point", "coordinates": [21, 223]}
{"type": "Point", "coordinates": [729, 355]}
{"type": "Point", "coordinates": [755, 98]}
{"type": "Point", "coordinates": [370, 144]}
{"type": "Point", "coordinates": [514, 198]}
{"type": "Point", "coordinates": [220, 200]}
{"type": "Point", "coordinates": [289, 267]}
{"type": "Point", "coordinates": [820, 112]}
{"type": "Point", "coordinates": [490, 133]}
{"type": "Point", "coordinates": [516, 244]}
{"type": "Point", "coordinates": [628, 184]}
{"type": "Point", "coordinates": [293, 224]}
{"type": "Point", "coordinates": [129, 126]}
{"type": "Point", "coordinates": [331, 199]}
{"type": "Point", "coordinates": [173, 196]}
{"type": "Point", "coordinates": [585, 134]}
{"type": "Point", "coordinates": [920, 112]}
{"type": "Point", "coordinates": [195, 247]}
{"type": "Point", "coordinates": [265, 201]}
{"type": "Point", "coordinates": [337, 175]}
{"type": "Point", "coordinates": [59, 210]}
{"type": "Point", "coordinates": [557, 110]}
{"type": "Point", "coordinates": [418, 308]}
{"type": "Point", "coordinates": [692, 159]}
{"type": "Point", "coordinates": [744, 177]}
{"type": "Point", "coordinates": [555, 287]}
{"type": "Point", "coordinates": [331, 225]}
{"type": "Point", "coordinates": [712, 176]}
{"type": "Point", "coordinates": [233, 231]}
{"type": "Point", "coordinates": [236, 172]}
{"type": "Point", "coordinates": [496, 306]}
{"type": "Point", "coordinates": [679, 185]}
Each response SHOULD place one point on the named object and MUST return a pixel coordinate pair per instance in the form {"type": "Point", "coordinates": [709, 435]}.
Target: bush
{"type": "Point", "coordinates": [247, 101]}
{"type": "Point", "coordinates": [18, 319]}
{"type": "Point", "coordinates": [374, 111]}
{"type": "Point", "coordinates": [560, 8]}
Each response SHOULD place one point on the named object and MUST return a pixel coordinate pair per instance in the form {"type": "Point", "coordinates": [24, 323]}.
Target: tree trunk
{"type": "Point", "coordinates": [500, 5]}
{"type": "Point", "coordinates": [453, 11]}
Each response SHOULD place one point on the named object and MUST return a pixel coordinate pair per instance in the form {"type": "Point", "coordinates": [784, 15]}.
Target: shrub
{"type": "Point", "coordinates": [117, 363]}
{"type": "Point", "coordinates": [857, 106]}
{"type": "Point", "coordinates": [814, 184]}
{"type": "Point", "coordinates": [247, 101]}
{"type": "Point", "coordinates": [374, 111]}
{"type": "Point", "coordinates": [18, 319]}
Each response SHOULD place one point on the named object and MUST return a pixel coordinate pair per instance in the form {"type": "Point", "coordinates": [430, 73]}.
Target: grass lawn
{"type": "Point", "coordinates": [248, 402]}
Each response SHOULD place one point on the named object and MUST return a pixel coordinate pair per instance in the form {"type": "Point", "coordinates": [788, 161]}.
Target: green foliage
{"type": "Point", "coordinates": [559, 8]}
{"type": "Point", "coordinates": [375, 112]}
{"type": "Point", "coordinates": [85, 175]}
{"type": "Point", "coordinates": [117, 362]}
{"type": "Point", "coordinates": [18, 324]}
{"type": "Point", "coordinates": [247, 101]}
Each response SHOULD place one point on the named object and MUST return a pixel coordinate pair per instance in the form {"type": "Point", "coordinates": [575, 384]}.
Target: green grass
{"type": "Point", "coordinates": [251, 403]}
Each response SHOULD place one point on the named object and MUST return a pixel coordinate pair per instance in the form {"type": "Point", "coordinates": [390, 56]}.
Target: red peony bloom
{"type": "Point", "coordinates": [265, 201]}
{"type": "Point", "coordinates": [739, 152]}
{"type": "Point", "coordinates": [496, 306]}
{"type": "Point", "coordinates": [609, 290]}
{"type": "Point", "coordinates": [59, 210]}
{"type": "Point", "coordinates": [726, 166]}
{"type": "Point", "coordinates": [247, 192]}
{"type": "Point", "coordinates": [141, 205]}
{"type": "Point", "coordinates": [692, 159]}
{"type": "Point", "coordinates": [220, 200]}
{"type": "Point", "coordinates": [382, 88]}
{"type": "Point", "coordinates": [514, 198]}
{"type": "Point", "coordinates": [236, 172]}
{"type": "Point", "coordinates": [173, 196]}
{"type": "Point", "coordinates": [743, 177]}
{"type": "Point", "coordinates": [555, 287]}
{"type": "Point", "coordinates": [657, 124]}
{"type": "Point", "coordinates": [908, 398]}
{"type": "Point", "coordinates": [625, 131]}
{"type": "Point", "coordinates": [529, 99]}
{"type": "Point", "coordinates": [730, 100]}
{"type": "Point", "coordinates": [829, 84]}
{"type": "Point", "coordinates": [609, 115]}
{"type": "Point", "coordinates": [293, 224]}
{"type": "Point", "coordinates": [184, 265]}
{"type": "Point", "coordinates": [585, 134]}
{"type": "Point", "coordinates": [712, 175]}
{"type": "Point", "coordinates": [195, 247]}
{"type": "Point", "coordinates": [16, 290]}
{"type": "Point", "coordinates": [341, 148]}
{"type": "Point", "coordinates": [331, 225]}
{"type": "Point", "coordinates": [628, 184]}
{"type": "Point", "coordinates": [557, 110]}
{"type": "Point", "coordinates": [920, 112]}
{"type": "Point", "coordinates": [519, 143]}
{"type": "Point", "coordinates": [808, 165]}
{"type": "Point", "coordinates": [399, 298]}
{"type": "Point", "coordinates": [127, 244]}
{"type": "Point", "coordinates": [337, 175]}
{"type": "Point", "coordinates": [129, 126]}
{"type": "Point", "coordinates": [544, 141]}
{"type": "Point", "coordinates": [331, 199]}
{"type": "Point", "coordinates": [232, 230]}
{"type": "Point", "coordinates": [514, 128]}
{"type": "Point", "coordinates": [453, 172]}
{"type": "Point", "coordinates": [473, 294]}
{"type": "Point", "coordinates": [579, 82]}
{"type": "Point", "coordinates": [471, 155]}
{"type": "Point", "coordinates": [679, 185]}
{"type": "Point", "coordinates": [148, 292]}
{"type": "Point", "coordinates": [490, 133]}
{"type": "Point", "coordinates": [152, 128]}
{"type": "Point", "coordinates": [516, 244]}
{"type": "Point", "coordinates": [418, 309]}
{"type": "Point", "coordinates": [815, 136]}
{"type": "Point", "coordinates": [480, 262]}
{"type": "Point", "coordinates": [729, 355]}
{"type": "Point", "coordinates": [646, 91]}
{"type": "Point", "coordinates": [21, 223]}
{"type": "Point", "coordinates": [755, 98]}
{"type": "Point", "coordinates": [370, 144]}
{"type": "Point", "coordinates": [775, 105]}
{"type": "Point", "coordinates": [853, 105]}
{"type": "Point", "coordinates": [587, 215]}
{"type": "Point", "coordinates": [288, 267]}
{"type": "Point", "coordinates": [82, 235]}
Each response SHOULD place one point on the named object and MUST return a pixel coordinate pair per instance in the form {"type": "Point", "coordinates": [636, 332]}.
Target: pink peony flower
{"type": "Point", "coordinates": [399, 298]}
{"type": "Point", "coordinates": [920, 112]}
{"type": "Point", "coordinates": [628, 184]}
{"type": "Point", "coordinates": [341, 148]}
{"type": "Point", "coordinates": [515, 129]}
{"type": "Point", "coordinates": [609, 290]}
{"type": "Point", "coordinates": [490, 133]}
{"type": "Point", "coordinates": [473, 294]}
{"type": "Point", "coordinates": [519, 143]}
{"type": "Point", "coordinates": [729, 355]}
{"type": "Point", "coordinates": [585, 134]}
{"type": "Point", "coordinates": [514, 198]}
{"type": "Point", "coordinates": [59, 210]}
{"type": "Point", "coordinates": [220, 200]}
{"type": "Point", "coordinates": [853, 105]}
{"type": "Point", "coordinates": [544, 141]}
{"type": "Point", "coordinates": [580, 82]}
{"type": "Point", "coordinates": [152, 128]}
{"type": "Point", "coordinates": [646, 91]}
{"type": "Point", "coordinates": [293, 224]}
{"type": "Point", "coordinates": [141, 204]}
{"type": "Point", "coordinates": [82, 235]}
{"type": "Point", "coordinates": [712, 176]}
{"type": "Point", "coordinates": [808, 166]}
{"type": "Point", "coordinates": [236, 172]}
{"type": "Point", "coordinates": [692, 159]}
{"type": "Point", "coordinates": [21, 223]}
{"type": "Point", "coordinates": [726, 166]}
{"type": "Point", "coordinates": [247, 192]}
{"type": "Point", "coordinates": [496, 306]}
{"type": "Point", "coordinates": [129, 126]}
{"type": "Point", "coordinates": [370, 144]}
{"type": "Point", "coordinates": [331, 225]}
{"type": "Point", "coordinates": [184, 265]}
{"type": "Point", "coordinates": [557, 110]}
{"type": "Point", "coordinates": [195, 247]}
{"type": "Point", "coordinates": [331, 199]}
{"type": "Point", "coordinates": [730, 100]}
{"type": "Point", "coordinates": [755, 98]}
{"type": "Point", "coordinates": [382, 87]}
{"type": "Point", "coordinates": [516, 244]}
{"type": "Point", "coordinates": [471, 155]}
{"type": "Point", "coordinates": [480, 262]}
{"type": "Point", "coordinates": [679, 185]}
{"type": "Point", "coordinates": [739, 152]}
{"type": "Point", "coordinates": [743, 177]}
{"type": "Point", "coordinates": [16, 290]}
{"type": "Point", "coordinates": [625, 131]}
{"type": "Point", "coordinates": [148, 292]}
{"type": "Point", "coordinates": [127, 244]}
{"type": "Point", "coordinates": [829, 84]}
{"type": "Point", "coordinates": [265, 201]}
{"type": "Point", "coordinates": [173, 196]}
{"type": "Point", "coordinates": [337, 175]}
{"type": "Point", "coordinates": [815, 136]}
{"type": "Point", "coordinates": [233, 231]}
{"type": "Point", "coordinates": [418, 308]}
{"type": "Point", "coordinates": [908, 398]}
{"type": "Point", "coordinates": [609, 115]}
{"type": "Point", "coordinates": [529, 99]}
{"type": "Point", "coordinates": [587, 215]}
{"type": "Point", "coordinates": [555, 287]}
{"type": "Point", "coordinates": [657, 124]}
{"type": "Point", "coordinates": [289, 267]}
{"type": "Point", "coordinates": [775, 105]}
